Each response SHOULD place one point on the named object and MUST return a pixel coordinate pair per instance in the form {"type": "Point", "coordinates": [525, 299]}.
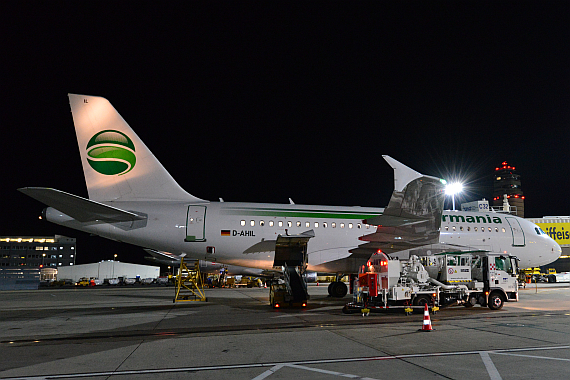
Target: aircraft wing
{"type": "Point", "coordinates": [413, 216]}
{"type": "Point", "coordinates": [81, 209]}
{"type": "Point", "coordinates": [162, 257]}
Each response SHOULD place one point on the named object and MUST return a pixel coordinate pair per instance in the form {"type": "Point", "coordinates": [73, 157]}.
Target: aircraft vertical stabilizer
{"type": "Point", "coordinates": [116, 163]}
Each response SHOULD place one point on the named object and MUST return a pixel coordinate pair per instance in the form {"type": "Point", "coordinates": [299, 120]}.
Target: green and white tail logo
{"type": "Point", "coordinates": [111, 153]}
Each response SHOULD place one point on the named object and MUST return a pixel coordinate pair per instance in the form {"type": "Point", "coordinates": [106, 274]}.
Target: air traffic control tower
{"type": "Point", "coordinates": [508, 183]}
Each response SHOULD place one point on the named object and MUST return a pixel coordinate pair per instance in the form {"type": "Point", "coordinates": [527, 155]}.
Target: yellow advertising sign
{"type": "Point", "coordinates": [560, 232]}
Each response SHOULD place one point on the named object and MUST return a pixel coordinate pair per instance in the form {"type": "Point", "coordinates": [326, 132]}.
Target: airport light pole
{"type": "Point", "coordinates": [452, 189]}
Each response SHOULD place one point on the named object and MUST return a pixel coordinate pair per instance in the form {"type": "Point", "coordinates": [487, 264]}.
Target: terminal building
{"type": "Point", "coordinates": [37, 251]}
{"type": "Point", "coordinates": [23, 258]}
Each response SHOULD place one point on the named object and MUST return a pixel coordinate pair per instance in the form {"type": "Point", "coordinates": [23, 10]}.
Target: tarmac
{"type": "Point", "coordinates": [139, 333]}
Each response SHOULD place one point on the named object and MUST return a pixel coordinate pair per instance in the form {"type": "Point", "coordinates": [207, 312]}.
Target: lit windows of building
{"type": "Point", "coordinates": [31, 252]}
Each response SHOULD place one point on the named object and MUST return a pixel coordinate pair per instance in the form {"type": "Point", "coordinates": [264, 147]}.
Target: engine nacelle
{"type": "Point", "coordinates": [311, 276]}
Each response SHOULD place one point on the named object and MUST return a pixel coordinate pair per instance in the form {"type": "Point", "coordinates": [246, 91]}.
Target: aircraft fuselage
{"type": "Point", "coordinates": [234, 233]}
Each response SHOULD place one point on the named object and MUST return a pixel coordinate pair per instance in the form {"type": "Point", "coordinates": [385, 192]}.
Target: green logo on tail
{"type": "Point", "coordinates": [111, 153]}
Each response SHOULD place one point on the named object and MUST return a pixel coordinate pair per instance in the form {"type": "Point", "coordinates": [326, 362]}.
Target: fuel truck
{"type": "Point", "coordinates": [446, 279]}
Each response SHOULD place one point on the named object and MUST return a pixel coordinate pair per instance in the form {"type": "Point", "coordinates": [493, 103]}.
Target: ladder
{"type": "Point", "coordinates": [189, 285]}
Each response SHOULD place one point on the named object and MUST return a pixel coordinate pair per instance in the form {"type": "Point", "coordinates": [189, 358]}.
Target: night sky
{"type": "Point", "coordinates": [262, 101]}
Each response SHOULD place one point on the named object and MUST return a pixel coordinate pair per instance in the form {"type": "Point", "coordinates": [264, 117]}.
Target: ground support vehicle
{"type": "Point", "coordinates": [447, 279]}
{"type": "Point", "coordinates": [280, 296]}
{"type": "Point", "coordinates": [559, 277]}
{"type": "Point", "coordinates": [83, 281]}
{"type": "Point", "coordinates": [291, 259]}
{"type": "Point", "coordinates": [163, 280]}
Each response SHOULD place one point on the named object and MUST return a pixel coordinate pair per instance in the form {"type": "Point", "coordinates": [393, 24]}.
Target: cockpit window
{"type": "Point", "coordinates": [539, 231]}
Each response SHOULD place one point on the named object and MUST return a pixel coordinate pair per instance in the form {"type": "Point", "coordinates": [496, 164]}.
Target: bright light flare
{"type": "Point", "coordinates": [453, 188]}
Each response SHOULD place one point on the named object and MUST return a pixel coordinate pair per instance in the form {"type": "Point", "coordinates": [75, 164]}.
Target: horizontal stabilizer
{"type": "Point", "coordinates": [80, 209]}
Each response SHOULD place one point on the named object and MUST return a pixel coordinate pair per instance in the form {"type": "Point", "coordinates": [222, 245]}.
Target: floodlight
{"type": "Point", "coordinates": [452, 189]}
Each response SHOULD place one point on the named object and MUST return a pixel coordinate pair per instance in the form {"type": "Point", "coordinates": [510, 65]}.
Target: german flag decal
{"type": "Point", "coordinates": [226, 233]}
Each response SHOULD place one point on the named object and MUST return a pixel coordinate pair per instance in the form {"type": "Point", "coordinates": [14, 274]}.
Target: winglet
{"type": "Point", "coordinates": [402, 174]}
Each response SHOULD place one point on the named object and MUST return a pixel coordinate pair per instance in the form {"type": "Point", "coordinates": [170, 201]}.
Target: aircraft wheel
{"type": "Point", "coordinates": [337, 289]}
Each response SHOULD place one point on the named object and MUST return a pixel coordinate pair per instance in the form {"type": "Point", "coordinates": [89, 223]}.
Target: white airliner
{"type": "Point", "coordinates": [133, 199]}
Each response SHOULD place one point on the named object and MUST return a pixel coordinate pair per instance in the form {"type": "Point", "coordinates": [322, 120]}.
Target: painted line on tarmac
{"type": "Point", "coordinates": [507, 351]}
{"type": "Point", "coordinates": [531, 356]}
{"type": "Point", "coordinates": [269, 372]}
{"type": "Point", "coordinates": [490, 366]}
{"type": "Point", "coordinates": [326, 372]}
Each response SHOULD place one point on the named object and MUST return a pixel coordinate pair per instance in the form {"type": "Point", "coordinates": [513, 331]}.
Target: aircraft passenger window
{"type": "Point", "coordinates": [468, 228]}
{"type": "Point", "coordinates": [342, 225]}
{"type": "Point", "coordinates": [316, 224]}
{"type": "Point", "coordinates": [307, 224]}
{"type": "Point", "coordinates": [280, 223]}
{"type": "Point", "coordinates": [333, 225]}
{"type": "Point", "coordinates": [489, 229]}
{"type": "Point", "coordinates": [289, 224]}
{"type": "Point", "coordinates": [475, 228]}
{"type": "Point", "coordinates": [359, 225]}
{"type": "Point", "coordinates": [242, 223]}
{"type": "Point", "coordinates": [252, 223]}
{"type": "Point", "coordinates": [298, 224]}
{"type": "Point", "coordinates": [261, 223]}
{"type": "Point", "coordinates": [446, 228]}
{"type": "Point", "coordinates": [460, 228]}
{"type": "Point", "coordinates": [271, 223]}
{"type": "Point", "coordinates": [453, 228]}
{"type": "Point", "coordinates": [496, 229]}
{"type": "Point", "coordinates": [325, 224]}
{"type": "Point", "coordinates": [349, 225]}
{"type": "Point", "coordinates": [503, 229]}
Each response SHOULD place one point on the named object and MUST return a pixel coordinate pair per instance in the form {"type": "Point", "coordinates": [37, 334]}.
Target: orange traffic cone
{"type": "Point", "coordinates": [427, 321]}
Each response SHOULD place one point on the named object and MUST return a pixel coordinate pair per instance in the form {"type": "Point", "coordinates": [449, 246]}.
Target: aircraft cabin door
{"type": "Point", "coordinates": [196, 224]}
{"type": "Point", "coordinates": [517, 231]}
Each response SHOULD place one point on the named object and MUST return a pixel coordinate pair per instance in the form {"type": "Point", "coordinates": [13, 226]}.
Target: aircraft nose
{"type": "Point", "coordinates": [556, 251]}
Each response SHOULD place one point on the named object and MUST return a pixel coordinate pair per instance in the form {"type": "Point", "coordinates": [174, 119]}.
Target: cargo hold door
{"type": "Point", "coordinates": [196, 224]}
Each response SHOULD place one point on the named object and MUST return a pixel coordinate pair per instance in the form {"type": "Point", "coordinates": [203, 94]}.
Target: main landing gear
{"type": "Point", "coordinates": [338, 289]}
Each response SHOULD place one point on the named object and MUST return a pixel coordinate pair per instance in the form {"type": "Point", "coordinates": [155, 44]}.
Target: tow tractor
{"type": "Point", "coordinates": [446, 279]}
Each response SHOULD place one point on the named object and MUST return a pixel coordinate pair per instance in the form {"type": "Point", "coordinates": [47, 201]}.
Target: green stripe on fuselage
{"type": "Point", "coordinates": [324, 214]}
